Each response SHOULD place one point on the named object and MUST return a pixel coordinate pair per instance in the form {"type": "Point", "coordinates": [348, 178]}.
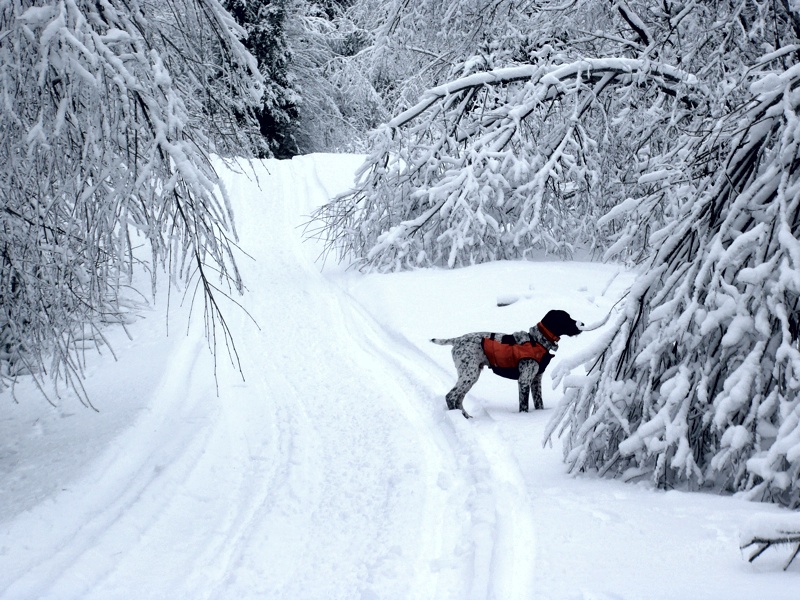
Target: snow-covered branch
{"type": "Point", "coordinates": [766, 531]}
{"type": "Point", "coordinates": [108, 119]}
{"type": "Point", "coordinates": [698, 385]}
{"type": "Point", "coordinates": [494, 164]}
{"type": "Point", "coordinates": [550, 75]}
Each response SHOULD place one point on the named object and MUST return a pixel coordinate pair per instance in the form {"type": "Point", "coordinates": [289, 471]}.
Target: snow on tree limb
{"type": "Point", "coordinates": [108, 116]}
{"type": "Point", "coordinates": [766, 531]}
{"type": "Point", "coordinates": [698, 385]}
{"type": "Point", "coordinates": [488, 166]}
{"type": "Point", "coordinates": [548, 75]}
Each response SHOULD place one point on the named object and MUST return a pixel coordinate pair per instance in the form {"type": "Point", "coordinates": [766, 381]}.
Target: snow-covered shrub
{"type": "Point", "coordinates": [697, 381]}
{"type": "Point", "coordinates": [519, 143]}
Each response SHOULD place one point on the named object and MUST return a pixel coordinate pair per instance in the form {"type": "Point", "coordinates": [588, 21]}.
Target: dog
{"type": "Point", "coordinates": [526, 355]}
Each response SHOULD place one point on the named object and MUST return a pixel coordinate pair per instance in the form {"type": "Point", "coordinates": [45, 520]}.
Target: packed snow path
{"type": "Point", "coordinates": [325, 474]}
{"type": "Point", "coordinates": [333, 470]}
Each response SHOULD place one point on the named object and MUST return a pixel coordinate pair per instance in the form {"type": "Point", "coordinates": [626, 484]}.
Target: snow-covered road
{"type": "Point", "coordinates": [332, 469]}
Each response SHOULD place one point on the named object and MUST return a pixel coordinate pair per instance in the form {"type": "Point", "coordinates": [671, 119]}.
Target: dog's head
{"type": "Point", "coordinates": [560, 323]}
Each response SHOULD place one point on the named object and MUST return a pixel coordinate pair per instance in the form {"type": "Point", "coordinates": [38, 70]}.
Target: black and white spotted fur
{"type": "Point", "coordinates": [469, 358]}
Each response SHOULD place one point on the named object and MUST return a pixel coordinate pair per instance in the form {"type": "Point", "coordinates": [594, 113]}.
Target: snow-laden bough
{"type": "Point", "coordinates": [604, 320]}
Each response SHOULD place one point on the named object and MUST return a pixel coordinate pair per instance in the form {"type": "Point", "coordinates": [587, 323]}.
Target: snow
{"type": "Point", "coordinates": [770, 527]}
{"type": "Point", "coordinates": [333, 470]}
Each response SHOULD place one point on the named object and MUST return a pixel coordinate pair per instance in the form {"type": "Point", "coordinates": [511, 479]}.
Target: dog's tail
{"type": "Point", "coordinates": [442, 342]}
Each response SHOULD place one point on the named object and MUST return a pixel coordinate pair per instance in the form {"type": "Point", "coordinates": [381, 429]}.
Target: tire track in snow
{"type": "Point", "coordinates": [512, 561]}
{"type": "Point", "coordinates": [176, 495]}
{"type": "Point", "coordinates": [352, 541]}
{"type": "Point", "coordinates": [483, 531]}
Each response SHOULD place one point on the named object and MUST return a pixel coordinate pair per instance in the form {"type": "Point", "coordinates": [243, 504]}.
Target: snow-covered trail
{"type": "Point", "coordinates": [331, 471]}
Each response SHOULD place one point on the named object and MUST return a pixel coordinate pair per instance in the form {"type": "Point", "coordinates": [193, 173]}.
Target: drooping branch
{"type": "Point", "coordinates": [107, 130]}
{"type": "Point", "coordinates": [667, 77]}
{"type": "Point", "coordinates": [486, 166]}
{"type": "Point", "coordinates": [696, 384]}
{"type": "Point", "coordinates": [765, 532]}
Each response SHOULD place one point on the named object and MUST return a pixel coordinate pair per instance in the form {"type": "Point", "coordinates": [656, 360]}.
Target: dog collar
{"type": "Point", "coordinates": [549, 336]}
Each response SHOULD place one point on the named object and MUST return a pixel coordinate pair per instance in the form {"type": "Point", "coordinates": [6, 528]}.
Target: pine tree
{"type": "Point", "coordinates": [265, 22]}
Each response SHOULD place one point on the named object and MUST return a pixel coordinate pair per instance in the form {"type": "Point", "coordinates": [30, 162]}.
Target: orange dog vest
{"type": "Point", "coordinates": [507, 356]}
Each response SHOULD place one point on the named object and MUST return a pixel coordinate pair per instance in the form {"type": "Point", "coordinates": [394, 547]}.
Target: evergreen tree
{"type": "Point", "coordinates": [265, 22]}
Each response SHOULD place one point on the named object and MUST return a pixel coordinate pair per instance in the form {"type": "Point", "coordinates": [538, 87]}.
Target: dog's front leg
{"type": "Point", "coordinates": [528, 369]}
{"type": "Point", "coordinates": [524, 392]}
{"type": "Point", "coordinates": [536, 392]}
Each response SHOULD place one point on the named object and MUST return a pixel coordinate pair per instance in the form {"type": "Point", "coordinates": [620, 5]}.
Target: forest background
{"type": "Point", "coordinates": [663, 135]}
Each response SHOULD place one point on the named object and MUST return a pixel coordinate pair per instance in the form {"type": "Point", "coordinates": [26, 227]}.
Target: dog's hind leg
{"type": "Point", "coordinates": [466, 379]}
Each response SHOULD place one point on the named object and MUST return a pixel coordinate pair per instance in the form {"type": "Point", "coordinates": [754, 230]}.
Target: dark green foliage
{"type": "Point", "coordinates": [265, 24]}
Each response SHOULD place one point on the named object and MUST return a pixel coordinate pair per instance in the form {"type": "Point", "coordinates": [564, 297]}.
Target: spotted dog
{"type": "Point", "coordinates": [523, 356]}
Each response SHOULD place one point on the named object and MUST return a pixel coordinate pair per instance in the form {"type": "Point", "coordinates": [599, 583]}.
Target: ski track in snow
{"type": "Point", "coordinates": [327, 473]}
{"type": "Point", "coordinates": [332, 469]}
{"type": "Point", "coordinates": [579, 537]}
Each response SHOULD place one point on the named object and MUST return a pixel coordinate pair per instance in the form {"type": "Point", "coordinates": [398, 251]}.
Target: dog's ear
{"type": "Point", "coordinates": [560, 323]}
